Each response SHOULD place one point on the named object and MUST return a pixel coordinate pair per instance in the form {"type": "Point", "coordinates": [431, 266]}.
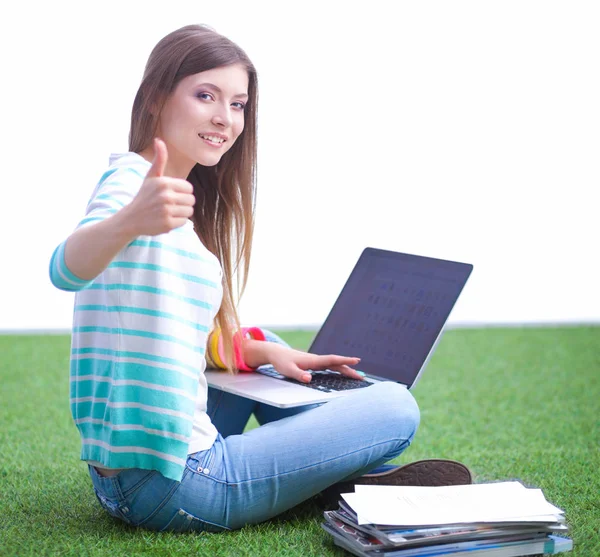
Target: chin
{"type": "Point", "coordinates": [210, 160]}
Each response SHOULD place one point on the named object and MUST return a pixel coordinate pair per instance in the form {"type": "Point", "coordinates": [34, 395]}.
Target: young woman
{"type": "Point", "coordinates": [167, 230]}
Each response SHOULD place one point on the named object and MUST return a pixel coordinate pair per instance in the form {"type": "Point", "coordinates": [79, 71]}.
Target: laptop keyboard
{"type": "Point", "coordinates": [324, 381]}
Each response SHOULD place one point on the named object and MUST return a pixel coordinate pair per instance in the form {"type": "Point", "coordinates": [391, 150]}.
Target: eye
{"type": "Point", "coordinates": [239, 105]}
{"type": "Point", "coordinates": [205, 96]}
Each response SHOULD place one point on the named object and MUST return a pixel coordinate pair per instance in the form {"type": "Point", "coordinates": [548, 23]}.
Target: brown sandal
{"type": "Point", "coordinates": [430, 472]}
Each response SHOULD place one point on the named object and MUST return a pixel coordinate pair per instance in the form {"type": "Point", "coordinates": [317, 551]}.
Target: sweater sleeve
{"type": "Point", "coordinates": [116, 189]}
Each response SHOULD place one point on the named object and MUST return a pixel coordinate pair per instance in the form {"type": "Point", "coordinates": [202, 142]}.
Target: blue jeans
{"type": "Point", "coordinates": [246, 478]}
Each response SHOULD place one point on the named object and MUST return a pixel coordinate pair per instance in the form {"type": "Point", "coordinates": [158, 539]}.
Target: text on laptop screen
{"type": "Point", "coordinates": [391, 311]}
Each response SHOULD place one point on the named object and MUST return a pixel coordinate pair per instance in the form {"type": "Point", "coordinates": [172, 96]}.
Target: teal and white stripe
{"type": "Point", "coordinates": [165, 369]}
{"type": "Point", "coordinates": [60, 275]}
{"type": "Point", "coordinates": [152, 290]}
{"type": "Point", "coordinates": [138, 392]}
{"type": "Point", "coordinates": [132, 427]}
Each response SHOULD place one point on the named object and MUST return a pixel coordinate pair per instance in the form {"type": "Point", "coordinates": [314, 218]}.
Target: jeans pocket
{"type": "Point", "coordinates": [182, 521]}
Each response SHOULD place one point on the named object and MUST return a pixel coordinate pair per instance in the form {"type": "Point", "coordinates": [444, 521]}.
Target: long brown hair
{"type": "Point", "coordinates": [225, 193]}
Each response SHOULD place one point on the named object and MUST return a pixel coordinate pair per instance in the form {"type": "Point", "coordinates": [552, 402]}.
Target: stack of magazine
{"type": "Point", "coordinates": [503, 519]}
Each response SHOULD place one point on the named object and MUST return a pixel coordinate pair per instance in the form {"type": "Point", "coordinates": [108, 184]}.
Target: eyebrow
{"type": "Point", "coordinates": [218, 90]}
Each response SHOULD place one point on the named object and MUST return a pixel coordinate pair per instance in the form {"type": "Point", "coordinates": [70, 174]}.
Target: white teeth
{"type": "Point", "coordinates": [212, 138]}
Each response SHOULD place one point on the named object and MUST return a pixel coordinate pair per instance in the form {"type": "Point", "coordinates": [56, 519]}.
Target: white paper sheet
{"type": "Point", "coordinates": [413, 506]}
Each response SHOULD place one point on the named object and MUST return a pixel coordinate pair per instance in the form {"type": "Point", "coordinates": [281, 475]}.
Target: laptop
{"type": "Point", "coordinates": [390, 313]}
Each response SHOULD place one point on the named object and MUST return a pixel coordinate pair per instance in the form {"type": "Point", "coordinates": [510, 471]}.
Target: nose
{"type": "Point", "coordinates": [222, 115]}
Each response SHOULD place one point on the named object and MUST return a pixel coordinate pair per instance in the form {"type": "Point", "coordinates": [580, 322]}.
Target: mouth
{"type": "Point", "coordinates": [213, 139]}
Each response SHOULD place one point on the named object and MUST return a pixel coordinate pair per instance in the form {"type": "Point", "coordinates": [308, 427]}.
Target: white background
{"type": "Point", "coordinates": [465, 130]}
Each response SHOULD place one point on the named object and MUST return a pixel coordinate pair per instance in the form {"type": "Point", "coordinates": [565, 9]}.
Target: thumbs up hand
{"type": "Point", "coordinates": [163, 203]}
{"type": "Point", "coordinates": [160, 159]}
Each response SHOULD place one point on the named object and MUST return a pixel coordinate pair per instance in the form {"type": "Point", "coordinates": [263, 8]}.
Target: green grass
{"type": "Point", "coordinates": [511, 403]}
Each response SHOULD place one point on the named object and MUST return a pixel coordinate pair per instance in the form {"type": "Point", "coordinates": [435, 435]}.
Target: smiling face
{"type": "Point", "coordinates": [202, 118]}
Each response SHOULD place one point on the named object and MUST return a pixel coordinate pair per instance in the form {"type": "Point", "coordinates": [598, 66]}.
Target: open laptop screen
{"type": "Point", "coordinates": [391, 311]}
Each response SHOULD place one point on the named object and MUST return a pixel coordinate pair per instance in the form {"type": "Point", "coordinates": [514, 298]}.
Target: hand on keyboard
{"type": "Point", "coordinates": [296, 364]}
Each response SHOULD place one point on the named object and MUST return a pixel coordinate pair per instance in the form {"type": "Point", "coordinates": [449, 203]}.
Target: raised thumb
{"type": "Point", "coordinates": [160, 158]}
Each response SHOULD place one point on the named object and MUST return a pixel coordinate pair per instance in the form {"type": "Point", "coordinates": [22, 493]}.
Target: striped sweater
{"type": "Point", "coordinates": [138, 391]}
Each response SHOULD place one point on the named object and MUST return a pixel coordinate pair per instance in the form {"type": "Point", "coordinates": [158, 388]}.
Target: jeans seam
{"type": "Point", "coordinates": [205, 464]}
{"type": "Point", "coordinates": [166, 499]}
{"type": "Point", "coordinates": [138, 485]}
{"type": "Point", "coordinates": [119, 495]}
{"type": "Point", "coordinates": [209, 459]}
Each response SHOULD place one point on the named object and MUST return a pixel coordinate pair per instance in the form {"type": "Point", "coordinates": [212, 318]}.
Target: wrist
{"type": "Point", "coordinates": [124, 224]}
{"type": "Point", "coordinates": [258, 352]}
